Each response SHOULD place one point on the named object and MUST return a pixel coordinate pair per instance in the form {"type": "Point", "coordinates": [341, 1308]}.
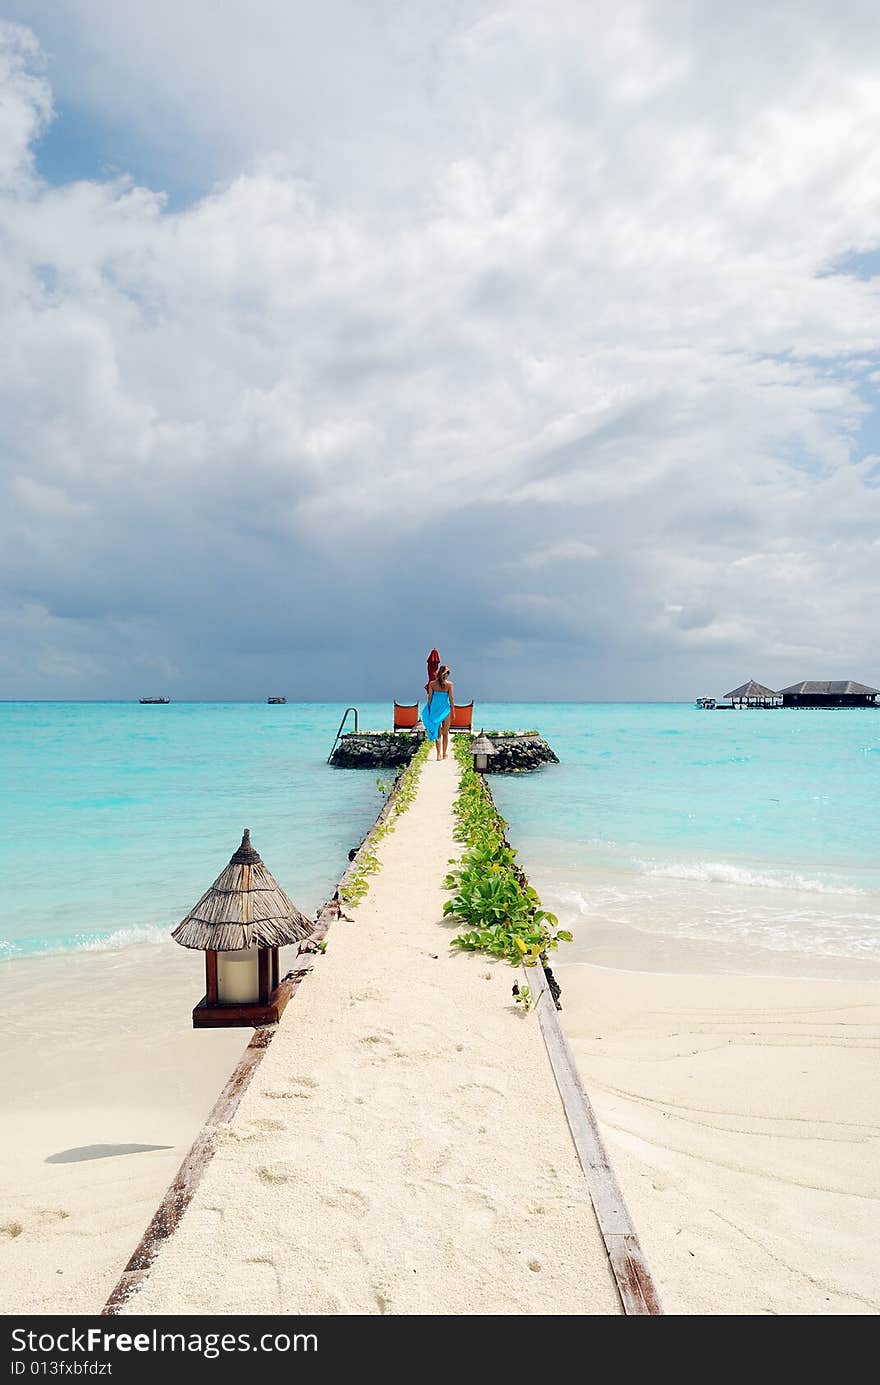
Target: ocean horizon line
{"type": "Point", "coordinates": [338, 701]}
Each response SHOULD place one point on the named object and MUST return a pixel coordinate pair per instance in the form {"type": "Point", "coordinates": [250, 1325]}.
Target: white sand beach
{"type": "Point", "coordinates": [742, 1115]}
{"type": "Point", "coordinates": [402, 1144]}
{"type": "Point", "coordinates": [103, 1087]}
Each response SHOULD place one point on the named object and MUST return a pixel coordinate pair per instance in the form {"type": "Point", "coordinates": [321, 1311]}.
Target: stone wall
{"type": "Point", "coordinates": [375, 749]}
{"type": "Point", "coordinates": [515, 754]}
{"type": "Point", "coordinates": [381, 749]}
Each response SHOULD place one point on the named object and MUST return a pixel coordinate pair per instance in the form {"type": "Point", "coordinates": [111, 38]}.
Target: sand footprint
{"type": "Point", "coordinates": [282, 1172]}
{"type": "Point", "coordinates": [368, 993]}
{"type": "Point", "coordinates": [348, 1200]}
{"type": "Point", "coordinates": [480, 1207]}
{"type": "Point", "coordinates": [478, 1089]}
{"type": "Point", "coordinates": [300, 1089]}
{"type": "Point", "coordinates": [267, 1272]}
{"type": "Point", "coordinates": [384, 1302]}
{"type": "Point", "coordinates": [245, 1133]}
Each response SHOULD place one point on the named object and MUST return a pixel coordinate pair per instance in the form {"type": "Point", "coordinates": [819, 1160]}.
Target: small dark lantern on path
{"type": "Point", "coordinates": [481, 749]}
{"type": "Point", "coordinates": [239, 924]}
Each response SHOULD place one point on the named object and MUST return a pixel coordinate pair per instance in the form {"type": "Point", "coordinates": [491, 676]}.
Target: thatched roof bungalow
{"type": "Point", "coordinates": [752, 694]}
{"type": "Point", "coordinates": [841, 694]}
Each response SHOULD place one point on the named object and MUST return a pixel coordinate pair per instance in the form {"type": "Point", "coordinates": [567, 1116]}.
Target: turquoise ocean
{"type": "Point", "coordinates": [756, 828]}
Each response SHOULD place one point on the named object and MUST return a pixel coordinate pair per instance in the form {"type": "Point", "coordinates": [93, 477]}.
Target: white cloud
{"type": "Point", "coordinates": [484, 319]}
{"type": "Point", "coordinates": [26, 104]}
{"type": "Point", "coordinates": [569, 551]}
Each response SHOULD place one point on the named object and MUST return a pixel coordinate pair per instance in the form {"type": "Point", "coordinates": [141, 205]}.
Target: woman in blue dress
{"type": "Point", "coordinates": [437, 713]}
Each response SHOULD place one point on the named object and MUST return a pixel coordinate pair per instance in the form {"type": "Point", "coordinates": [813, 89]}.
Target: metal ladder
{"type": "Point", "coordinates": [339, 732]}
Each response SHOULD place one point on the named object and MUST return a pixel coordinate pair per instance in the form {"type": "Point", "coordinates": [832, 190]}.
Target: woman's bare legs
{"type": "Point", "coordinates": [444, 732]}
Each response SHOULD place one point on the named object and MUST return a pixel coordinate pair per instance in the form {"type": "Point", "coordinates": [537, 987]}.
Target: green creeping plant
{"type": "Point", "coordinates": [509, 733]}
{"type": "Point", "coordinates": [366, 861]}
{"type": "Point", "coordinates": [500, 911]}
{"type": "Point", "coordinates": [522, 995]}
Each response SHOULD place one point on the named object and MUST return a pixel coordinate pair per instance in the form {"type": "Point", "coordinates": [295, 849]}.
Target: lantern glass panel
{"type": "Point", "coordinates": [238, 977]}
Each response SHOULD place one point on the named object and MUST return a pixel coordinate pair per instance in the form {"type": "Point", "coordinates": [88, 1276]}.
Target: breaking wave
{"type": "Point", "coordinates": [723, 873]}
{"type": "Point", "coordinates": [566, 898]}
{"type": "Point", "coordinates": [112, 942]}
{"type": "Point", "coordinates": [123, 937]}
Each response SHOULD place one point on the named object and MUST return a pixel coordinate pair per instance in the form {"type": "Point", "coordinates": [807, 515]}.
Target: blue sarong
{"type": "Point", "coordinates": [434, 716]}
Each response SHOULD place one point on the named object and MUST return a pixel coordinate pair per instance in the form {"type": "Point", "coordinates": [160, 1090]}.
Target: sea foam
{"type": "Point", "coordinates": [124, 937]}
{"type": "Point", "coordinates": [725, 873]}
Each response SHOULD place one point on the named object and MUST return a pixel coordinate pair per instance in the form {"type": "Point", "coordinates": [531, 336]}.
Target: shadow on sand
{"type": "Point", "coordinates": [83, 1152]}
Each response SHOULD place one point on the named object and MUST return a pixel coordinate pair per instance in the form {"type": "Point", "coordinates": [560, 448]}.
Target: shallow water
{"type": "Point", "coordinates": [115, 818]}
{"type": "Point", "coordinates": [754, 828]}
{"type": "Point", "coordinates": [749, 828]}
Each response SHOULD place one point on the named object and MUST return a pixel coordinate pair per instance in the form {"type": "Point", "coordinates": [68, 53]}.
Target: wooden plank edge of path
{"type": "Point", "coordinates": [634, 1281]}
{"type": "Point", "coordinates": [180, 1193]}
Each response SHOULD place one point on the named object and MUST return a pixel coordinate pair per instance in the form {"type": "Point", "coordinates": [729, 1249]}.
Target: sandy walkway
{"type": "Point", "coordinates": [742, 1115]}
{"type": "Point", "coordinates": [402, 1148]}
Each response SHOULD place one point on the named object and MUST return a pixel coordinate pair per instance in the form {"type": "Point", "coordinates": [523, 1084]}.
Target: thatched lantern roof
{"type": "Point", "coordinates": [245, 907]}
{"type": "Point", "coordinates": [483, 746]}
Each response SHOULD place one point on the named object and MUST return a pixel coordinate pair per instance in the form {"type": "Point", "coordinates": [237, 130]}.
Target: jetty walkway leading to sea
{"type": "Point", "coordinates": [402, 1147]}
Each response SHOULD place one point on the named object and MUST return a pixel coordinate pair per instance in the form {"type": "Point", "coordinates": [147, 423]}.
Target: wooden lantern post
{"type": "Point", "coordinates": [481, 749]}
{"type": "Point", "coordinates": [240, 923]}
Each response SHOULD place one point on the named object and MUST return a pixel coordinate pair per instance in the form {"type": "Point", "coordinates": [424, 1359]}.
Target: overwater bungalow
{"type": "Point", "coordinates": [752, 694]}
{"type": "Point", "coordinates": [842, 694]}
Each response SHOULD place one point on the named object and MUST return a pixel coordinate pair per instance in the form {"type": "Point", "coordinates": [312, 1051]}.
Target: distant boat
{"type": "Point", "coordinates": [276, 700]}
{"type": "Point", "coordinates": [160, 701]}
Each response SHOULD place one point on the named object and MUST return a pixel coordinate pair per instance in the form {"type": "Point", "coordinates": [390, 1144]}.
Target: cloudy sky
{"type": "Point", "coordinates": [545, 334]}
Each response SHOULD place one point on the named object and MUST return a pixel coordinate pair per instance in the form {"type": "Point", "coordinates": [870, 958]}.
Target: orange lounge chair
{"type": "Point", "coordinates": [406, 716]}
{"type": "Point", "coordinates": [462, 717]}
